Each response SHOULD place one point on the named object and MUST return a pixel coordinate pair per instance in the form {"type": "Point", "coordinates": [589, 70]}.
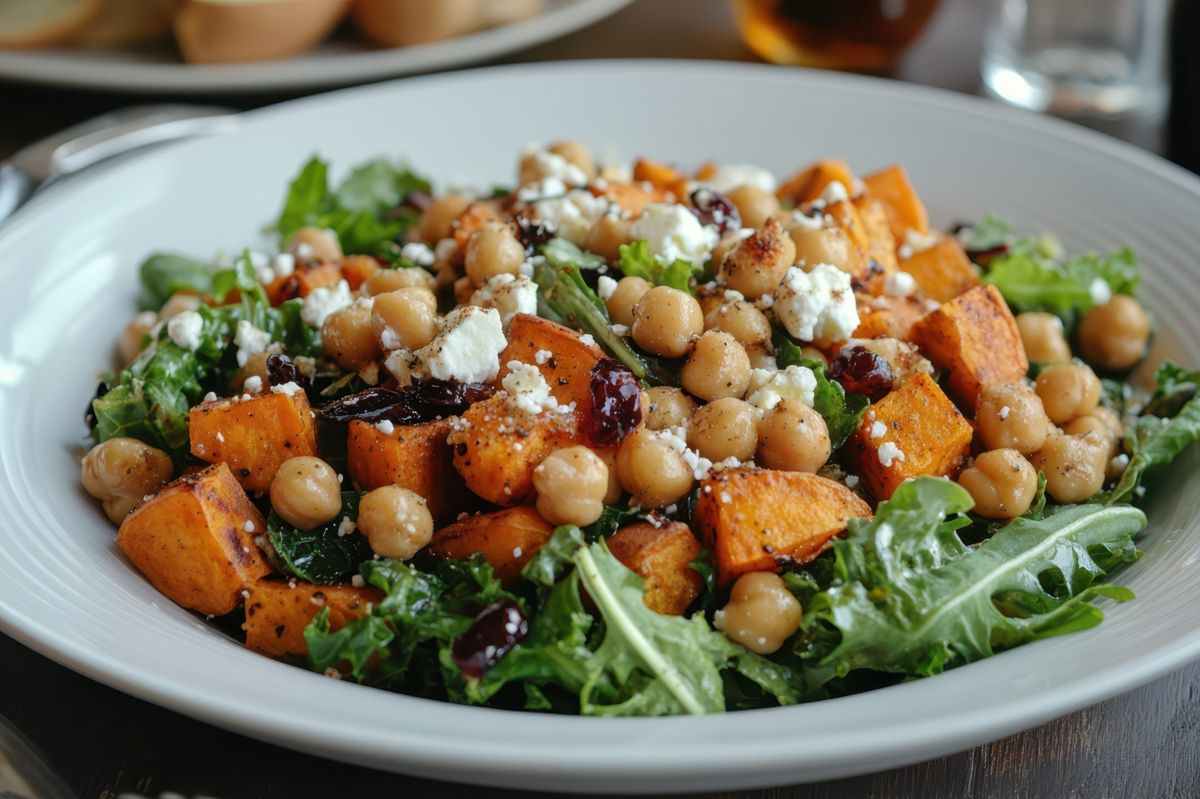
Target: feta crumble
{"type": "Point", "coordinates": [508, 294]}
{"type": "Point", "coordinates": [468, 347]}
{"type": "Point", "coordinates": [250, 341]}
{"type": "Point", "coordinates": [386, 427]}
{"type": "Point", "coordinates": [184, 329]}
{"type": "Point", "coordinates": [572, 215]}
{"type": "Point", "coordinates": [727, 177]}
{"type": "Point", "coordinates": [547, 164]}
{"type": "Point", "coordinates": [1100, 291]}
{"type": "Point", "coordinates": [878, 429]}
{"type": "Point", "coordinates": [889, 453]}
{"type": "Point", "coordinates": [672, 232]}
{"type": "Point", "coordinates": [253, 385]}
{"type": "Point", "coordinates": [324, 301]}
{"type": "Point", "coordinates": [417, 252]}
{"type": "Point", "coordinates": [290, 388]}
{"type": "Point", "coordinates": [795, 383]}
{"type": "Point", "coordinates": [835, 192]}
{"type": "Point", "coordinates": [899, 284]}
{"type": "Point", "coordinates": [606, 287]}
{"type": "Point", "coordinates": [818, 305]}
{"type": "Point", "coordinates": [528, 390]}
{"type": "Point", "coordinates": [542, 356]}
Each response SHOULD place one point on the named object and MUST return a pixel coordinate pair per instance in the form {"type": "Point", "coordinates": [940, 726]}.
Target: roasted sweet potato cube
{"type": "Point", "coordinates": [656, 174]}
{"type": "Point", "coordinates": [887, 317]}
{"type": "Point", "coordinates": [973, 337]}
{"type": "Point", "coordinates": [663, 557]}
{"type": "Point", "coordinates": [566, 368]}
{"type": "Point", "coordinates": [254, 436]}
{"type": "Point", "coordinates": [414, 456]}
{"type": "Point", "coordinates": [194, 541]}
{"type": "Point", "coordinates": [846, 219]}
{"type": "Point", "coordinates": [904, 208]}
{"type": "Point", "coordinates": [507, 539]}
{"type": "Point", "coordinates": [809, 183]}
{"type": "Point", "coordinates": [472, 219]}
{"type": "Point", "coordinates": [881, 244]}
{"type": "Point", "coordinates": [303, 281]}
{"type": "Point", "coordinates": [763, 520]}
{"type": "Point", "coordinates": [943, 271]}
{"type": "Point", "coordinates": [357, 268]}
{"type": "Point", "coordinates": [277, 612]}
{"type": "Point", "coordinates": [497, 446]}
{"type": "Point", "coordinates": [632, 198]}
{"type": "Point", "coordinates": [915, 430]}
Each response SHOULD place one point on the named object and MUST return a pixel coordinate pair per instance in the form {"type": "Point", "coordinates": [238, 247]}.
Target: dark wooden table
{"type": "Point", "coordinates": [105, 744]}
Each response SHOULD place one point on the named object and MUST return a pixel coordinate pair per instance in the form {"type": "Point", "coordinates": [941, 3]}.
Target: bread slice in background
{"type": "Point", "coordinates": [233, 31]}
{"type": "Point", "coordinates": [43, 23]}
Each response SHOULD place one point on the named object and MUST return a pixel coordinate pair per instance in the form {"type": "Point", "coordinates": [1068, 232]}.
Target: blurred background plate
{"type": "Point", "coordinates": [341, 61]}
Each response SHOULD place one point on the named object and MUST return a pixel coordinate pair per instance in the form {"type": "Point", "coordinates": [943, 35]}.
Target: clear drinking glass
{"type": "Point", "coordinates": [1078, 57]}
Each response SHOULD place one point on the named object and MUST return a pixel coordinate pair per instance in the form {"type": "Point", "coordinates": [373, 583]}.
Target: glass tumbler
{"type": "Point", "coordinates": [1079, 57]}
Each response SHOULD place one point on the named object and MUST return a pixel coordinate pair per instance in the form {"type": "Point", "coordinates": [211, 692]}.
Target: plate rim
{"type": "Point", "coordinates": [1020, 713]}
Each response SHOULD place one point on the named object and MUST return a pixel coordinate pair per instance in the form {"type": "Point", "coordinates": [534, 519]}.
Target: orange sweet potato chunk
{"type": "Point", "coordinates": [507, 539]}
{"type": "Point", "coordinates": [357, 268]}
{"type": "Point", "coordinates": [904, 208]}
{"type": "Point", "coordinates": [303, 281]}
{"type": "Point", "coordinates": [662, 556]}
{"type": "Point", "coordinates": [497, 447]}
{"type": "Point", "coordinates": [973, 337]}
{"type": "Point", "coordinates": [254, 436]}
{"type": "Point", "coordinates": [657, 174]}
{"type": "Point", "coordinates": [414, 456]}
{"type": "Point", "coordinates": [763, 520]}
{"type": "Point", "coordinates": [472, 219]}
{"type": "Point", "coordinates": [632, 198]}
{"type": "Point", "coordinates": [888, 317]}
{"type": "Point", "coordinates": [881, 244]}
{"type": "Point", "coordinates": [846, 219]}
{"type": "Point", "coordinates": [194, 541]}
{"type": "Point", "coordinates": [943, 271]}
{"type": "Point", "coordinates": [915, 430]}
{"type": "Point", "coordinates": [809, 183]}
{"type": "Point", "coordinates": [277, 611]}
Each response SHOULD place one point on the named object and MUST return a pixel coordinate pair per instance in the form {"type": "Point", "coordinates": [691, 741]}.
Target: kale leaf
{"type": "Point", "coordinates": [323, 554]}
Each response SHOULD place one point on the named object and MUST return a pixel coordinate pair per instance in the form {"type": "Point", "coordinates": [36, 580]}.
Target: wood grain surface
{"type": "Point", "coordinates": [105, 744]}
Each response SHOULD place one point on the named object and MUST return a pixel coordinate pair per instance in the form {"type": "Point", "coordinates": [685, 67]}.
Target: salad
{"type": "Point", "coordinates": [633, 440]}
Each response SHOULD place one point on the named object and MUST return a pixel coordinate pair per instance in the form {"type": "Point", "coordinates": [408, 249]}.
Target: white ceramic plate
{"type": "Point", "coordinates": [340, 62]}
{"type": "Point", "coordinates": [68, 265]}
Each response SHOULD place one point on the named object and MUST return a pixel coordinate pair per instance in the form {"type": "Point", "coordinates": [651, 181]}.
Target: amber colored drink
{"type": "Point", "coordinates": [867, 35]}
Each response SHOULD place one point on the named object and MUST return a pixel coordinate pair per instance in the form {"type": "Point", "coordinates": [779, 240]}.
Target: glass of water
{"type": "Point", "coordinates": [1079, 57]}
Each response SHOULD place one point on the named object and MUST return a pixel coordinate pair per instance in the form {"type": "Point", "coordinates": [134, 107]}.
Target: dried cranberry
{"type": "Point", "coordinates": [417, 200]}
{"type": "Point", "coordinates": [497, 629]}
{"type": "Point", "coordinates": [861, 371]}
{"type": "Point", "coordinates": [616, 403]}
{"type": "Point", "coordinates": [89, 415]}
{"type": "Point", "coordinates": [420, 402]}
{"type": "Point", "coordinates": [449, 395]}
{"type": "Point", "coordinates": [532, 234]}
{"type": "Point", "coordinates": [984, 257]}
{"type": "Point", "coordinates": [281, 370]}
{"type": "Point", "coordinates": [715, 209]}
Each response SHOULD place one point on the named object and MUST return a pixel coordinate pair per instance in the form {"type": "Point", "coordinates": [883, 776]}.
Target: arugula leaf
{"type": "Point", "coordinates": [910, 598]}
{"type": "Point", "coordinates": [564, 251]}
{"type": "Point", "coordinates": [1031, 281]}
{"type": "Point", "coordinates": [306, 197]}
{"type": "Point", "coordinates": [1176, 386]}
{"type": "Point", "coordinates": [1154, 441]}
{"type": "Point", "coordinates": [842, 413]}
{"type": "Point", "coordinates": [558, 554]}
{"type": "Point", "coordinates": [637, 261]}
{"type": "Point", "coordinates": [988, 233]}
{"type": "Point", "coordinates": [321, 555]}
{"type": "Point", "coordinates": [378, 186]}
{"type": "Point", "coordinates": [164, 273]}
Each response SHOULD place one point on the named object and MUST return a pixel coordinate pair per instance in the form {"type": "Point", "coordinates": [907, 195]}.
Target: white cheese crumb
{"type": "Point", "coordinates": [1100, 291]}
{"type": "Point", "coordinates": [835, 192]}
{"type": "Point", "coordinates": [508, 294]}
{"type": "Point", "coordinates": [552, 165]}
{"type": "Point", "coordinates": [528, 390]}
{"type": "Point", "coordinates": [587, 339]}
{"type": "Point", "coordinates": [518, 552]}
{"type": "Point", "coordinates": [606, 287]}
{"type": "Point", "coordinates": [220, 437]}
{"type": "Point", "coordinates": [919, 242]}
{"type": "Point", "coordinates": [1004, 412]}
{"type": "Point", "coordinates": [899, 284]}
{"type": "Point", "coordinates": [346, 527]}
{"type": "Point", "coordinates": [184, 329]}
{"type": "Point", "coordinates": [210, 396]}
{"type": "Point", "coordinates": [248, 526]}
{"type": "Point", "coordinates": [572, 215]}
{"type": "Point", "coordinates": [672, 232]}
{"type": "Point", "coordinates": [851, 481]}
{"type": "Point", "coordinates": [727, 177]}
{"type": "Point", "coordinates": [386, 427]}
{"type": "Point", "coordinates": [817, 306]}
{"type": "Point", "coordinates": [794, 383]}
{"type": "Point", "coordinates": [1119, 463]}
{"type": "Point", "coordinates": [878, 429]}
{"type": "Point", "coordinates": [621, 330]}
{"type": "Point", "coordinates": [322, 302]}
{"type": "Point", "coordinates": [542, 356]}
{"type": "Point", "coordinates": [250, 341]}
{"type": "Point", "coordinates": [417, 252]}
{"type": "Point", "coordinates": [357, 581]}
{"type": "Point", "coordinates": [468, 347]}
{"type": "Point", "coordinates": [889, 453]}
{"type": "Point", "coordinates": [253, 385]}
{"type": "Point", "coordinates": [290, 388]}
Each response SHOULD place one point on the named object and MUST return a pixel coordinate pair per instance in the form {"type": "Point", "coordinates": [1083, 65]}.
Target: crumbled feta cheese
{"type": "Point", "coordinates": [253, 385]}
{"type": "Point", "coordinates": [184, 329]}
{"type": "Point", "coordinates": [283, 264]}
{"type": "Point", "coordinates": [399, 364]}
{"type": "Point", "coordinates": [290, 388]}
{"type": "Point", "coordinates": [813, 222]}
{"type": "Point", "coordinates": [322, 302]}
{"type": "Point", "coordinates": [606, 287]}
{"type": "Point", "coordinates": [547, 164]}
{"type": "Point", "coordinates": [727, 177]}
{"type": "Point", "coordinates": [818, 305]}
{"type": "Point", "coordinates": [346, 527]}
{"type": "Point", "coordinates": [357, 581]}
{"type": "Point", "coordinates": [835, 192]}
{"type": "Point", "coordinates": [673, 232]}
{"type": "Point", "coordinates": [878, 429]}
{"type": "Point", "coordinates": [795, 382]}
{"type": "Point", "coordinates": [676, 439]}
{"type": "Point", "coordinates": [250, 341]}
{"type": "Point", "coordinates": [508, 294]}
{"type": "Point", "coordinates": [542, 356]}
{"type": "Point", "coordinates": [621, 330]}
{"type": "Point", "coordinates": [546, 187]}
{"type": "Point", "coordinates": [220, 437]}
{"type": "Point", "coordinates": [1119, 463]}
{"type": "Point", "coordinates": [248, 526]}
{"type": "Point", "coordinates": [386, 427]}
{"type": "Point", "coordinates": [587, 340]}
{"type": "Point", "coordinates": [468, 347]}
{"type": "Point", "coordinates": [899, 284]}
{"type": "Point", "coordinates": [528, 390]}
{"type": "Point", "coordinates": [889, 453]}
{"type": "Point", "coordinates": [919, 242]}
{"type": "Point", "coordinates": [1100, 291]}
{"type": "Point", "coordinates": [1004, 412]}
{"type": "Point", "coordinates": [210, 396]}
{"type": "Point", "coordinates": [851, 481]}
{"type": "Point", "coordinates": [417, 252]}
{"type": "Point", "coordinates": [572, 215]}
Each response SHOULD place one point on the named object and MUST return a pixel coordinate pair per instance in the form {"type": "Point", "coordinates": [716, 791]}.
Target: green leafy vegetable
{"type": "Point", "coordinates": [989, 232]}
{"type": "Point", "coordinates": [164, 273]}
{"type": "Point", "coordinates": [323, 554]}
{"type": "Point", "coordinates": [1154, 441]}
{"type": "Point", "coordinates": [842, 413]}
{"type": "Point", "coordinates": [558, 554]}
{"type": "Point", "coordinates": [909, 598]}
{"type": "Point", "coordinates": [1176, 386]}
{"type": "Point", "coordinates": [637, 261]}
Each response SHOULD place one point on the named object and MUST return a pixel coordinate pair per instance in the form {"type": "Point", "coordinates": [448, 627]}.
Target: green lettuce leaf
{"type": "Point", "coordinates": [321, 555]}
{"type": "Point", "coordinates": [637, 261]}
{"type": "Point", "coordinates": [1032, 281]}
{"type": "Point", "coordinates": [1154, 441]}
{"type": "Point", "coordinates": [164, 273]}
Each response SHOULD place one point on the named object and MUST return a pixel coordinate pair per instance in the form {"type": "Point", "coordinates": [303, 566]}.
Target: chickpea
{"type": "Point", "coordinates": [571, 485]}
{"type": "Point", "coordinates": [347, 337]}
{"type": "Point", "coordinates": [385, 280]}
{"type": "Point", "coordinates": [754, 205]}
{"type": "Point", "coordinates": [177, 303]}
{"type": "Point", "coordinates": [757, 264]}
{"type": "Point", "coordinates": [1068, 390]}
{"type": "Point", "coordinates": [1002, 482]}
{"type": "Point", "coordinates": [741, 320]}
{"type": "Point", "coordinates": [438, 218]}
{"type": "Point", "coordinates": [575, 153]}
{"type": "Point", "coordinates": [1101, 422]}
{"type": "Point", "coordinates": [724, 428]}
{"type": "Point", "coordinates": [725, 246]}
{"type": "Point", "coordinates": [305, 492]}
{"type": "Point", "coordinates": [1074, 465]}
{"type": "Point", "coordinates": [314, 244]}
{"type": "Point", "coordinates": [667, 406]}
{"type": "Point", "coordinates": [652, 470]}
{"type": "Point", "coordinates": [120, 471]}
{"type": "Point", "coordinates": [607, 235]}
{"type": "Point", "coordinates": [625, 298]}
{"type": "Point", "coordinates": [666, 321]}
{"type": "Point", "coordinates": [614, 491]}
{"type": "Point", "coordinates": [810, 353]}
{"type": "Point", "coordinates": [396, 521]}
{"type": "Point", "coordinates": [493, 250]}
{"type": "Point", "coordinates": [130, 344]}
{"type": "Point", "coordinates": [761, 613]}
{"type": "Point", "coordinates": [464, 290]}
{"type": "Point", "coordinates": [405, 318]}
{"type": "Point", "coordinates": [717, 367]}
{"type": "Point", "coordinates": [820, 245]}
{"type": "Point", "coordinates": [1042, 335]}
{"type": "Point", "coordinates": [793, 437]}
{"type": "Point", "coordinates": [1010, 415]}
{"type": "Point", "coordinates": [1114, 335]}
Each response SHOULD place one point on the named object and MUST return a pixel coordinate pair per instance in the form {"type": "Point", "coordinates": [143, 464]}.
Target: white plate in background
{"type": "Point", "coordinates": [68, 265]}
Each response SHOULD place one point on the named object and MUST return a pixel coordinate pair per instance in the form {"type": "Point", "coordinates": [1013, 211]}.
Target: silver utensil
{"type": "Point", "coordinates": [88, 143]}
